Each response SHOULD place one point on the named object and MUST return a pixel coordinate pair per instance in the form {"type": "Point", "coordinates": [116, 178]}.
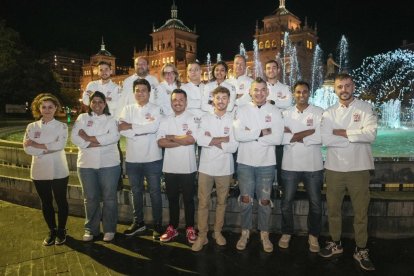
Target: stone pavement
{"type": "Point", "coordinates": [22, 230]}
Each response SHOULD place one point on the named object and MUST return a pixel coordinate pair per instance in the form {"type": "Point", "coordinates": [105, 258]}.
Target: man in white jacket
{"type": "Point", "coordinates": [348, 129]}
{"type": "Point", "coordinates": [302, 161]}
{"type": "Point", "coordinates": [258, 128]}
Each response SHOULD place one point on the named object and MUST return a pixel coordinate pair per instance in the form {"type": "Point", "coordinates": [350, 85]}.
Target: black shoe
{"type": "Point", "coordinates": [332, 248]}
{"type": "Point", "coordinates": [50, 239]}
{"type": "Point", "coordinates": [157, 232]}
{"type": "Point", "coordinates": [362, 257]}
{"type": "Point", "coordinates": [60, 236]}
{"type": "Point", "coordinates": [135, 229]}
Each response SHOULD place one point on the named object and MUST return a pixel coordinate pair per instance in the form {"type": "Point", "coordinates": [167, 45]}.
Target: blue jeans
{"type": "Point", "coordinates": [313, 184]}
{"type": "Point", "coordinates": [100, 185]}
{"type": "Point", "coordinates": [255, 180]}
{"type": "Point", "coordinates": [152, 172]}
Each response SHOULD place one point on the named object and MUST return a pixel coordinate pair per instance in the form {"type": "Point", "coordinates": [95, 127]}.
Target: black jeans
{"type": "Point", "coordinates": [47, 189]}
{"type": "Point", "coordinates": [184, 183]}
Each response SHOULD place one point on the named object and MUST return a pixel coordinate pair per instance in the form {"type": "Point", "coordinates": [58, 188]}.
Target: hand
{"type": "Point", "coordinates": [124, 126]}
{"type": "Point", "coordinates": [287, 130]}
{"type": "Point", "coordinates": [28, 143]}
{"type": "Point", "coordinates": [82, 134]}
{"type": "Point", "coordinates": [207, 133]}
{"type": "Point", "coordinates": [266, 131]}
{"type": "Point", "coordinates": [340, 132]}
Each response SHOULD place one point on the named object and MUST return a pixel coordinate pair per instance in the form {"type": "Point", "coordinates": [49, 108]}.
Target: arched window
{"type": "Point", "coordinates": [172, 59]}
{"type": "Point", "coordinates": [168, 60]}
{"type": "Point", "coordinates": [163, 60]}
{"type": "Point", "coordinates": [261, 45]}
{"type": "Point", "coordinates": [267, 44]}
{"type": "Point", "coordinates": [274, 44]}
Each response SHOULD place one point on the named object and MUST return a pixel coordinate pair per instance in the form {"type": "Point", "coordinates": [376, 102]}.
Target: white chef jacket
{"type": "Point", "coordinates": [182, 159]}
{"type": "Point", "coordinates": [208, 96]}
{"type": "Point", "coordinates": [215, 161]}
{"type": "Point", "coordinates": [51, 163]}
{"type": "Point", "coordinates": [242, 85]}
{"type": "Point", "coordinates": [109, 89]}
{"type": "Point", "coordinates": [250, 120]}
{"type": "Point", "coordinates": [194, 96]}
{"type": "Point", "coordinates": [306, 156]}
{"type": "Point", "coordinates": [352, 153]}
{"type": "Point", "coordinates": [128, 90]}
{"type": "Point", "coordinates": [280, 94]}
{"type": "Point", "coordinates": [141, 144]}
{"type": "Point", "coordinates": [105, 129]}
{"type": "Point", "coordinates": [163, 97]}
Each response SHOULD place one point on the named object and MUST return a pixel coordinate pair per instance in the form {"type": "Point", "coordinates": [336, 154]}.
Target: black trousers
{"type": "Point", "coordinates": [57, 188]}
{"type": "Point", "coordinates": [184, 183]}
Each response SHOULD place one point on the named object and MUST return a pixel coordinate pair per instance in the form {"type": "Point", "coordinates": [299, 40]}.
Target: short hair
{"type": "Point", "coordinates": [221, 89]}
{"type": "Point", "coordinates": [103, 62]}
{"type": "Point", "coordinates": [194, 62]}
{"type": "Point", "coordinates": [179, 91]}
{"type": "Point", "coordinates": [141, 82]}
{"type": "Point", "coordinates": [240, 56]}
{"type": "Point", "coordinates": [142, 57]}
{"type": "Point", "coordinates": [258, 80]}
{"type": "Point", "coordinates": [272, 61]}
{"type": "Point", "coordinates": [101, 96]}
{"type": "Point", "coordinates": [39, 99]}
{"type": "Point", "coordinates": [226, 68]}
{"type": "Point", "coordinates": [301, 82]}
{"type": "Point", "coordinates": [343, 76]}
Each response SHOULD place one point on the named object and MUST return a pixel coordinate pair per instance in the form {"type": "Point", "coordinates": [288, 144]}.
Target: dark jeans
{"type": "Point", "coordinates": [174, 184]}
{"type": "Point", "coordinates": [47, 189]}
{"type": "Point", "coordinates": [313, 184]}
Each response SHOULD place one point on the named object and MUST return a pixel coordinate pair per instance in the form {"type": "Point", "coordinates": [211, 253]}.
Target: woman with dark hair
{"type": "Point", "coordinates": [96, 135]}
{"type": "Point", "coordinates": [220, 70]}
{"type": "Point", "coordinates": [45, 140]}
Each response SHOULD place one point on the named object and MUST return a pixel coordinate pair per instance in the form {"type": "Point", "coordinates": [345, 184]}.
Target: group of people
{"type": "Point", "coordinates": [235, 125]}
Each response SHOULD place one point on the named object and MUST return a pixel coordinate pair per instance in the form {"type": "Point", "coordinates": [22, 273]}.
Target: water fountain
{"type": "Point", "coordinates": [242, 50]}
{"type": "Point", "coordinates": [258, 71]}
{"type": "Point", "coordinates": [343, 54]}
{"type": "Point", "coordinates": [317, 70]}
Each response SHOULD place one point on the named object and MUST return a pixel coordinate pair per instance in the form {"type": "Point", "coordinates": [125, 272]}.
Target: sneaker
{"type": "Point", "coordinates": [244, 239]}
{"type": "Point", "coordinates": [87, 236]}
{"type": "Point", "coordinates": [50, 238]}
{"type": "Point", "coordinates": [199, 243]}
{"type": "Point", "coordinates": [361, 255]}
{"type": "Point", "coordinates": [135, 229]}
{"type": "Point", "coordinates": [191, 234]}
{"type": "Point", "coordinates": [313, 244]}
{"type": "Point", "coordinates": [220, 239]}
{"type": "Point", "coordinates": [331, 248]}
{"type": "Point", "coordinates": [156, 232]}
{"type": "Point", "coordinates": [108, 237]}
{"type": "Point", "coordinates": [169, 234]}
{"type": "Point", "coordinates": [284, 241]}
{"type": "Point", "coordinates": [60, 236]}
{"type": "Point", "coordinates": [267, 244]}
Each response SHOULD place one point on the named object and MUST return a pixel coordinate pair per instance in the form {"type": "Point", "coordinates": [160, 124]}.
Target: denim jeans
{"type": "Point", "coordinates": [152, 172]}
{"type": "Point", "coordinates": [100, 185]}
{"type": "Point", "coordinates": [255, 180]}
{"type": "Point", "coordinates": [313, 184]}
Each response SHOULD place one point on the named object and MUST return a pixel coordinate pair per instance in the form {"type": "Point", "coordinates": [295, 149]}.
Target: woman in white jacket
{"type": "Point", "coordinates": [96, 135]}
{"type": "Point", "coordinates": [45, 140]}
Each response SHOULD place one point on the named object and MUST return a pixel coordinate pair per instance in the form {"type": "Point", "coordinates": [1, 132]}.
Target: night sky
{"type": "Point", "coordinates": [47, 25]}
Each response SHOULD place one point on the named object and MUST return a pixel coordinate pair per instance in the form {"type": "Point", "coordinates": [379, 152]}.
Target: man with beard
{"type": "Point", "coordinates": [141, 72]}
{"type": "Point", "coordinates": [177, 134]}
{"type": "Point", "coordinates": [105, 85]}
{"type": "Point", "coordinates": [348, 129]}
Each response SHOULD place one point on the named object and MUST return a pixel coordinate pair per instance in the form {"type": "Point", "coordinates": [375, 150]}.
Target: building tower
{"type": "Point", "coordinates": [173, 42]}
{"type": "Point", "coordinates": [270, 37]}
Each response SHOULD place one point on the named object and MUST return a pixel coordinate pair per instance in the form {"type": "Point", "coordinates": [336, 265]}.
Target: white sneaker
{"type": "Point", "coordinates": [199, 243]}
{"type": "Point", "coordinates": [220, 240]}
{"type": "Point", "coordinates": [267, 244]}
{"type": "Point", "coordinates": [313, 244]}
{"type": "Point", "coordinates": [108, 237]}
{"type": "Point", "coordinates": [244, 239]}
{"type": "Point", "coordinates": [284, 241]}
{"type": "Point", "coordinates": [87, 236]}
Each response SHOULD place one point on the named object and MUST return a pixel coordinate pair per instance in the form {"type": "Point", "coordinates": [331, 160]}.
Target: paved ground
{"type": "Point", "coordinates": [21, 253]}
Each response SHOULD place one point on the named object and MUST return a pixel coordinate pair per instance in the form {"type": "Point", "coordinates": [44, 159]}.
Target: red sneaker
{"type": "Point", "coordinates": [169, 234]}
{"type": "Point", "coordinates": [191, 234]}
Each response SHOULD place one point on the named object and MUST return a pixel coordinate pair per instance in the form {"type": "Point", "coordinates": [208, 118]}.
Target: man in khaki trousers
{"type": "Point", "coordinates": [216, 165]}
